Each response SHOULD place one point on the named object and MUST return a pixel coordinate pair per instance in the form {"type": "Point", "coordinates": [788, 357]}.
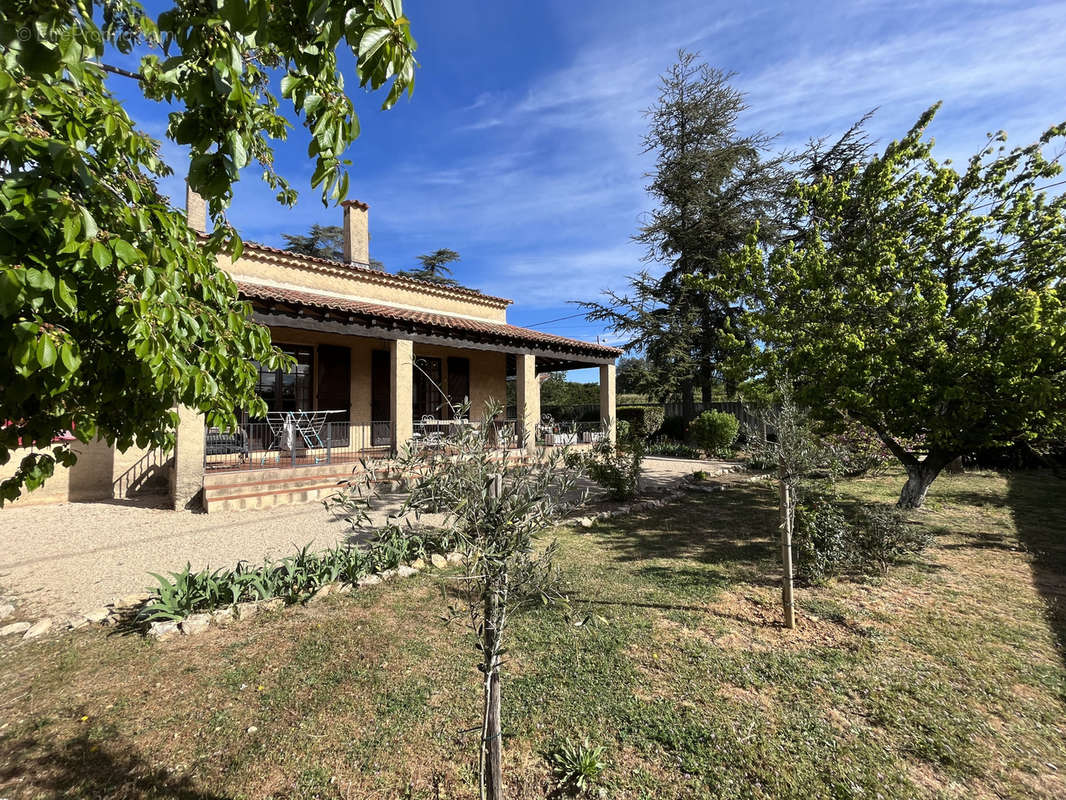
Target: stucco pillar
{"type": "Point", "coordinates": [527, 390]}
{"type": "Point", "coordinates": [187, 477]}
{"type": "Point", "coordinates": [401, 394]}
{"type": "Point", "coordinates": [609, 400]}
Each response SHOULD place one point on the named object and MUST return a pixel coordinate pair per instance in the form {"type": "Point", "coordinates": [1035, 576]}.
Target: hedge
{"type": "Point", "coordinates": [643, 420]}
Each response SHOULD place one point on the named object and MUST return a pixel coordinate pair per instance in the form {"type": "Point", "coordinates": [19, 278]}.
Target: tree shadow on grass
{"type": "Point", "coordinates": [44, 766]}
{"type": "Point", "coordinates": [736, 529]}
{"type": "Point", "coordinates": [1038, 505]}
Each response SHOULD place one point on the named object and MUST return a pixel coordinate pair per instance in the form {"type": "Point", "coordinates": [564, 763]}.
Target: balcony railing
{"type": "Point", "coordinates": [263, 445]}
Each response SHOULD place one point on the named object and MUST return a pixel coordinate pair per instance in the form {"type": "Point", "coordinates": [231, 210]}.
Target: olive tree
{"type": "Point", "coordinates": [494, 505]}
{"type": "Point", "coordinates": [112, 311]}
{"type": "Point", "coordinates": [923, 301]}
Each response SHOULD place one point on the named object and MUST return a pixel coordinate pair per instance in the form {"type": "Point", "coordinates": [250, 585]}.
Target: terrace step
{"type": "Point", "coordinates": [269, 498]}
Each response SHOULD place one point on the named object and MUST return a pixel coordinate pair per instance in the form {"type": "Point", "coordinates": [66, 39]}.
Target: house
{"type": "Point", "coordinates": [380, 360]}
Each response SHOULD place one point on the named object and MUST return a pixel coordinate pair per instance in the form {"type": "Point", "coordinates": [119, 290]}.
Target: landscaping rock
{"type": "Point", "coordinates": [163, 629]}
{"type": "Point", "coordinates": [97, 616]}
{"type": "Point", "coordinates": [418, 563]}
{"type": "Point", "coordinates": [586, 522]}
{"type": "Point", "coordinates": [321, 593]}
{"type": "Point", "coordinates": [75, 622]}
{"type": "Point", "coordinates": [388, 574]}
{"type": "Point", "coordinates": [14, 627]}
{"type": "Point", "coordinates": [369, 580]}
{"type": "Point", "coordinates": [342, 588]}
{"type": "Point", "coordinates": [273, 604]}
{"type": "Point", "coordinates": [454, 557]}
{"type": "Point", "coordinates": [38, 628]}
{"type": "Point", "coordinates": [131, 600]}
{"type": "Point", "coordinates": [6, 610]}
{"type": "Point", "coordinates": [196, 623]}
{"type": "Point", "coordinates": [222, 617]}
{"type": "Point", "coordinates": [405, 571]}
{"type": "Point", "coordinates": [246, 610]}
{"type": "Point", "coordinates": [438, 561]}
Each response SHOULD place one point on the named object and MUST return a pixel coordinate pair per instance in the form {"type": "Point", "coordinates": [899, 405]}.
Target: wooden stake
{"type": "Point", "coordinates": [492, 768]}
{"type": "Point", "coordinates": [787, 503]}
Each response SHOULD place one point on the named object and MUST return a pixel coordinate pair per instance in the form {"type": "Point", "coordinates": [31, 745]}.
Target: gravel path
{"type": "Point", "coordinates": [74, 557]}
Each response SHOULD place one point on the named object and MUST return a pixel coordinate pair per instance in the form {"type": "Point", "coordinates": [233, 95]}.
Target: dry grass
{"type": "Point", "coordinates": [944, 679]}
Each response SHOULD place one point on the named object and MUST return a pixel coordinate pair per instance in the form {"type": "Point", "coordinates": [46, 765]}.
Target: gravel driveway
{"type": "Point", "coordinates": [74, 557]}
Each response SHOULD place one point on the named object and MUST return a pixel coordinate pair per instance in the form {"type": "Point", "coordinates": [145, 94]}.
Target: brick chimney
{"type": "Point", "coordinates": [356, 233]}
{"type": "Point", "coordinates": [195, 210]}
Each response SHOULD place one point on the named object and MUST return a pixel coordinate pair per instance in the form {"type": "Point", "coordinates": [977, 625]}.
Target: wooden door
{"type": "Point", "coordinates": [335, 389]}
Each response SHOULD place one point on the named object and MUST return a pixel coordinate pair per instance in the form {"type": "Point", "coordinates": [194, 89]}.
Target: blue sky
{"type": "Point", "coordinates": [521, 145]}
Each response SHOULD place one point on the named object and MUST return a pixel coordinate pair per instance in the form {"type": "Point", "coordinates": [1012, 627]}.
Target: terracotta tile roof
{"type": "Point", "coordinates": [495, 331]}
{"type": "Point", "coordinates": [461, 291]}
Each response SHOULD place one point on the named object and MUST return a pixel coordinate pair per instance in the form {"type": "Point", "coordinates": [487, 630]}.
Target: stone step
{"type": "Point", "coordinates": [269, 498]}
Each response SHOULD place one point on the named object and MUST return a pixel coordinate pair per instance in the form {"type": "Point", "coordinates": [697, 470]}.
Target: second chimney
{"type": "Point", "coordinates": [356, 233]}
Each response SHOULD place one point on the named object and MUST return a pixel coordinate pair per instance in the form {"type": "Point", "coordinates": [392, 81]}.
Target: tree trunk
{"type": "Point", "coordinates": [787, 501]}
{"type": "Point", "coordinates": [919, 477]}
{"type": "Point", "coordinates": [491, 730]}
{"type": "Point", "coordinates": [688, 401]}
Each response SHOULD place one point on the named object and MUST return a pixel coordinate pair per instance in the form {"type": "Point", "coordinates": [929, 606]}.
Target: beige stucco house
{"type": "Point", "coordinates": [380, 360]}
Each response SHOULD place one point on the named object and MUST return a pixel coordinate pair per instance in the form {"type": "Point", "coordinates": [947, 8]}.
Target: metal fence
{"type": "Point", "coordinates": [552, 433]}
{"type": "Point", "coordinates": [261, 445]}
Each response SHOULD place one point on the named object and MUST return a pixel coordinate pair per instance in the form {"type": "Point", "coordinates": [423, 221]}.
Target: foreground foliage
{"type": "Point", "coordinates": [112, 311]}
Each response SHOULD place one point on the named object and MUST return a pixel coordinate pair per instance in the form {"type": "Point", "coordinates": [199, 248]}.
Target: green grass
{"type": "Point", "coordinates": [943, 679]}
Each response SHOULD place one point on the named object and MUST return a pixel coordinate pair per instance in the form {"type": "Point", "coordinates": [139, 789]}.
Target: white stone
{"type": "Point", "coordinates": [454, 557]}
{"type": "Point", "coordinates": [342, 588]}
{"type": "Point", "coordinates": [369, 580]}
{"type": "Point", "coordinates": [321, 593]}
{"type": "Point", "coordinates": [14, 627]}
{"type": "Point", "coordinates": [161, 629]}
{"type": "Point", "coordinates": [6, 610]}
{"type": "Point", "coordinates": [418, 563]}
{"type": "Point", "coordinates": [77, 621]}
{"type": "Point", "coordinates": [97, 616]}
{"type": "Point", "coordinates": [131, 600]}
{"type": "Point", "coordinates": [246, 610]}
{"type": "Point", "coordinates": [388, 574]}
{"type": "Point", "coordinates": [585, 522]}
{"type": "Point", "coordinates": [273, 604]}
{"type": "Point", "coordinates": [195, 623]}
{"type": "Point", "coordinates": [252, 729]}
{"type": "Point", "coordinates": [405, 571]}
{"type": "Point", "coordinates": [222, 617]}
{"type": "Point", "coordinates": [38, 628]}
{"type": "Point", "coordinates": [438, 561]}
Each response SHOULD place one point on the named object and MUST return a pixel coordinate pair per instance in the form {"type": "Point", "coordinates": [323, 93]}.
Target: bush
{"type": "Point", "coordinates": [714, 431]}
{"type": "Point", "coordinates": [644, 420]}
{"type": "Point", "coordinates": [884, 537]}
{"type": "Point", "coordinates": [577, 767]}
{"type": "Point", "coordinates": [672, 449]}
{"type": "Point", "coordinates": [623, 431]}
{"type": "Point", "coordinates": [616, 467]}
{"type": "Point", "coordinates": [827, 541]}
{"type": "Point", "coordinates": [674, 428]}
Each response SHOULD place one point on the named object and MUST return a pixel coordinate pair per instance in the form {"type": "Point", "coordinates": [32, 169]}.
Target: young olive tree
{"type": "Point", "coordinates": [787, 439]}
{"type": "Point", "coordinates": [494, 505]}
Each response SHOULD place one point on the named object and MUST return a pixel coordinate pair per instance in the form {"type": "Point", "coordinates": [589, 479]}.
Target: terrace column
{"type": "Point", "coordinates": [608, 400]}
{"type": "Point", "coordinates": [527, 390]}
{"type": "Point", "coordinates": [401, 394]}
{"type": "Point", "coordinates": [187, 477]}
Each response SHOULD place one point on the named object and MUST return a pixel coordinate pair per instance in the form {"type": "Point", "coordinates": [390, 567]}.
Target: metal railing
{"type": "Point", "coordinates": [553, 433]}
{"type": "Point", "coordinates": [260, 445]}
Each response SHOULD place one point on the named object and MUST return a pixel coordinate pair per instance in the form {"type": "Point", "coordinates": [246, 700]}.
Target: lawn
{"type": "Point", "coordinates": [941, 680]}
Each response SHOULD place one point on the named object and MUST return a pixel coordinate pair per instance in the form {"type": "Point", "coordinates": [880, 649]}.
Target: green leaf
{"type": "Point", "coordinates": [46, 351]}
{"type": "Point", "coordinates": [101, 255]}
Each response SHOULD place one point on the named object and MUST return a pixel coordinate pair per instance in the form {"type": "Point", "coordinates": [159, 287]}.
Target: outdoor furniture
{"type": "Point", "coordinates": [218, 443]}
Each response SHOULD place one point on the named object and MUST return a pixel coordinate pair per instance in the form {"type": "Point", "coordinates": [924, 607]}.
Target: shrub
{"type": "Point", "coordinates": [859, 450]}
{"type": "Point", "coordinates": [644, 420]}
{"type": "Point", "coordinates": [672, 449]}
{"type": "Point", "coordinates": [674, 427]}
{"type": "Point", "coordinates": [623, 430]}
{"type": "Point", "coordinates": [821, 540]}
{"type": "Point", "coordinates": [714, 431]}
{"type": "Point", "coordinates": [827, 541]}
{"type": "Point", "coordinates": [882, 537]}
{"type": "Point", "coordinates": [577, 766]}
{"type": "Point", "coordinates": [616, 467]}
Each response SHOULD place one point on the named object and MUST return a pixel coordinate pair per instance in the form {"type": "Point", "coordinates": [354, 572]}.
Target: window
{"type": "Point", "coordinates": [291, 390]}
{"type": "Point", "coordinates": [428, 400]}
